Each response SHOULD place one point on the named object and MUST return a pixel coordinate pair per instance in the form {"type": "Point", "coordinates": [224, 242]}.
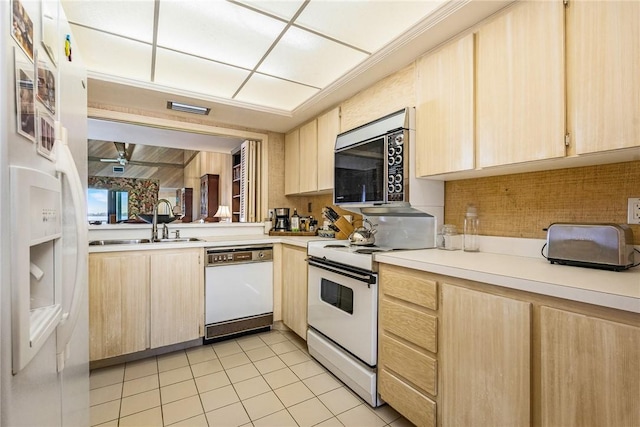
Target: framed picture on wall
{"type": "Point", "coordinates": [25, 97]}
{"type": "Point", "coordinates": [45, 134]}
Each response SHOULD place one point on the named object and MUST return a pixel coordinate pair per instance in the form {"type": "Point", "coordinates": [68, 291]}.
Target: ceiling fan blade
{"type": "Point", "coordinates": [109, 160]}
{"type": "Point", "coordinates": [129, 151]}
{"type": "Point", "coordinates": [121, 148]}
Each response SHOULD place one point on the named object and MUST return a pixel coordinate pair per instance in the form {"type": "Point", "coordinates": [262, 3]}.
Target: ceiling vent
{"type": "Point", "coordinates": [118, 169]}
{"type": "Point", "coordinates": [186, 108]}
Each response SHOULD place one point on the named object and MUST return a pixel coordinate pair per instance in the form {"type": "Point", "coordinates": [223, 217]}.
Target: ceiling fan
{"type": "Point", "coordinates": [125, 151]}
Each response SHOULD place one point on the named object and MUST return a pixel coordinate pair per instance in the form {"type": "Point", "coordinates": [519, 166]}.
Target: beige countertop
{"type": "Point", "coordinates": [210, 242]}
{"type": "Point", "coordinates": [620, 290]}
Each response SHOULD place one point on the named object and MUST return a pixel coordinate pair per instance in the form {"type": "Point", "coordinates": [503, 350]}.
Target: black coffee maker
{"type": "Point", "coordinates": [281, 219]}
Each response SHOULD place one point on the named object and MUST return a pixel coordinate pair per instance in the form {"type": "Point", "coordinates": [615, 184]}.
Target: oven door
{"type": "Point", "coordinates": [343, 306]}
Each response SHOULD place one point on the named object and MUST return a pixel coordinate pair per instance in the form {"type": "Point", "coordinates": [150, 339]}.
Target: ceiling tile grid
{"type": "Point", "coordinates": [269, 54]}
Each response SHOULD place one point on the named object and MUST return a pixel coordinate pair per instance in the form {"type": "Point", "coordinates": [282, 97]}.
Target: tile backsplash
{"type": "Point", "coordinates": [521, 205]}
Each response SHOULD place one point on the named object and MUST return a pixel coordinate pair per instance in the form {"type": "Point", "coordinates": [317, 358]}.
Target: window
{"type": "Point", "coordinates": [97, 207]}
{"type": "Point", "coordinates": [103, 205]}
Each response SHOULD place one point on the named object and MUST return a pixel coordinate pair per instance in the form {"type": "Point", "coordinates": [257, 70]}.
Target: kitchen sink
{"type": "Point", "coordinates": [118, 242]}
{"type": "Point", "coordinates": [140, 241]}
{"type": "Point", "coordinates": [178, 239]}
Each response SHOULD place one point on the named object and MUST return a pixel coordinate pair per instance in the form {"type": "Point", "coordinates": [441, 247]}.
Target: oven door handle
{"type": "Point", "coordinates": [369, 279]}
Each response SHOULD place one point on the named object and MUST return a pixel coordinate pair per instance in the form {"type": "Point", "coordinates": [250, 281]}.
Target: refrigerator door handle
{"type": "Point", "coordinates": [66, 165]}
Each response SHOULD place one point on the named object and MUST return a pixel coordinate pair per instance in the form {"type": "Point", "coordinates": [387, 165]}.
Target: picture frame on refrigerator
{"type": "Point", "coordinates": [49, 12]}
{"type": "Point", "coordinates": [45, 134]}
{"type": "Point", "coordinates": [25, 96]}
{"type": "Point", "coordinates": [46, 78]}
{"type": "Point", "coordinates": [22, 28]}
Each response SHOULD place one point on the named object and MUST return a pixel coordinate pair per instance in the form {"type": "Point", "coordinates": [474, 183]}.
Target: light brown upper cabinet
{"type": "Point", "coordinates": [603, 74]}
{"type": "Point", "coordinates": [520, 104]}
{"type": "Point", "coordinates": [292, 162]}
{"type": "Point", "coordinates": [328, 129]}
{"type": "Point", "coordinates": [309, 157]}
{"type": "Point", "coordinates": [308, 154]}
{"type": "Point", "coordinates": [445, 112]}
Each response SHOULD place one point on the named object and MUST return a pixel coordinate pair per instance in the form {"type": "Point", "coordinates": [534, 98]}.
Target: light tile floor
{"type": "Point", "coordinates": [265, 379]}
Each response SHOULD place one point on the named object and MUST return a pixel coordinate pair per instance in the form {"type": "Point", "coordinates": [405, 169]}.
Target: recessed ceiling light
{"type": "Point", "coordinates": [186, 108]}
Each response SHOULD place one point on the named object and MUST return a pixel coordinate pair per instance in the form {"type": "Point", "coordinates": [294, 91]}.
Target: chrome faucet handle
{"type": "Point", "coordinates": [165, 231]}
{"type": "Point", "coordinates": [177, 233]}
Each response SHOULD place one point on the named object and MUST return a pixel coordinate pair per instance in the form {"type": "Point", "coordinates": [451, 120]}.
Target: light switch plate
{"type": "Point", "coordinates": [633, 211]}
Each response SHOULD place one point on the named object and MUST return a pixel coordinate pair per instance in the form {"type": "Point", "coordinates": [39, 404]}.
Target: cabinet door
{"type": "Point", "coordinates": [118, 304]}
{"type": "Point", "coordinates": [328, 128]}
{"type": "Point", "coordinates": [486, 345]}
{"type": "Point", "coordinates": [603, 59]}
{"type": "Point", "coordinates": [445, 113]}
{"type": "Point", "coordinates": [589, 371]}
{"type": "Point", "coordinates": [520, 106]}
{"type": "Point", "coordinates": [292, 162]}
{"type": "Point", "coordinates": [177, 297]}
{"type": "Point", "coordinates": [309, 157]}
{"type": "Point", "coordinates": [294, 289]}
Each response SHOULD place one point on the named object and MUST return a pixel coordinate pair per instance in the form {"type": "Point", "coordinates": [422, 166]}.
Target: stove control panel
{"type": "Point", "coordinates": [396, 155]}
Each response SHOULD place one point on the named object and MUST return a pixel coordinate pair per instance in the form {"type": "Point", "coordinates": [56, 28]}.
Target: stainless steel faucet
{"type": "Point", "coordinates": [154, 225]}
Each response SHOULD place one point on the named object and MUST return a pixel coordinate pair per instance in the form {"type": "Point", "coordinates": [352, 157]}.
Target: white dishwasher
{"type": "Point", "coordinates": [238, 290]}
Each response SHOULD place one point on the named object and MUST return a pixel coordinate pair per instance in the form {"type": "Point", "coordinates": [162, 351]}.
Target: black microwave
{"type": "Point", "coordinates": [371, 163]}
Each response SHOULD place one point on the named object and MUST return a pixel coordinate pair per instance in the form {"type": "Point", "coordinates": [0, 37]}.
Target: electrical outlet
{"type": "Point", "coordinates": [633, 211]}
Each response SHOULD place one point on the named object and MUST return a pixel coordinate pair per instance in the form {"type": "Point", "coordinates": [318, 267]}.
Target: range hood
{"type": "Point", "coordinates": [386, 124]}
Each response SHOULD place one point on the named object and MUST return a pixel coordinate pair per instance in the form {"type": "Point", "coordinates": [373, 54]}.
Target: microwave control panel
{"type": "Point", "coordinates": [395, 166]}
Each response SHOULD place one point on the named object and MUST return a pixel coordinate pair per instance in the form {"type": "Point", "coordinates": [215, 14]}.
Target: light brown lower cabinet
{"type": "Point", "coordinates": [118, 303]}
{"type": "Point", "coordinates": [294, 289]}
{"type": "Point", "coordinates": [144, 299]}
{"type": "Point", "coordinates": [177, 297]}
{"type": "Point", "coordinates": [454, 352]}
{"type": "Point", "coordinates": [407, 341]}
{"type": "Point", "coordinates": [590, 371]}
{"type": "Point", "coordinates": [486, 366]}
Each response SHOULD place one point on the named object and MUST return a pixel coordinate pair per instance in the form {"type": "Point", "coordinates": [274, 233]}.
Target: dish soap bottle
{"type": "Point", "coordinates": [295, 221]}
{"type": "Point", "coordinates": [471, 230]}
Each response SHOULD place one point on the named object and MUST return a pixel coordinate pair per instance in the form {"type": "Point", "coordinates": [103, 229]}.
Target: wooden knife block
{"type": "Point", "coordinates": [345, 228]}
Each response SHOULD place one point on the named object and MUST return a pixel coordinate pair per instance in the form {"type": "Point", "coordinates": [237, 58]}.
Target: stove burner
{"type": "Point", "coordinates": [368, 251]}
{"type": "Point", "coordinates": [336, 246]}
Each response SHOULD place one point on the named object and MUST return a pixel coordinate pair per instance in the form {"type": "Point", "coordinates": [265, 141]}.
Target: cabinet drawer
{"type": "Point", "coordinates": [413, 365]}
{"type": "Point", "coordinates": [413, 325]}
{"type": "Point", "coordinates": [414, 406]}
{"type": "Point", "coordinates": [409, 285]}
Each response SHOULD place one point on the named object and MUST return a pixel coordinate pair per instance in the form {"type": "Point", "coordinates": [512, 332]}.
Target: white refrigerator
{"type": "Point", "coordinates": [44, 341]}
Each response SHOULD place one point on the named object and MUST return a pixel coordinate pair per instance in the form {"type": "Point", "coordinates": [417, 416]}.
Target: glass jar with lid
{"type": "Point", "coordinates": [448, 238]}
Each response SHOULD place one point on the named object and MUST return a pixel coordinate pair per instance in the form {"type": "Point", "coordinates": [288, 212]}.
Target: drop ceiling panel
{"type": "Point", "coordinates": [283, 9]}
{"type": "Point", "coordinates": [113, 55]}
{"type": "Point", "coordinates": [194, 74]}
{"type": "Point", "coordinates": [217, 30]}
{"type": "Point", "coordinates": [368, 25]}
{"type": "Point", "coordinates": [306, 58]}
{"type": "Point", "coordinates": [133, 19]}
{"type": "Point", "coordinates": [276, 93]}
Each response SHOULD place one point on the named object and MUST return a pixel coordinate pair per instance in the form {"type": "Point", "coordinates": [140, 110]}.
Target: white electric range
{"type": "Point", "coordinates": [343, 313]}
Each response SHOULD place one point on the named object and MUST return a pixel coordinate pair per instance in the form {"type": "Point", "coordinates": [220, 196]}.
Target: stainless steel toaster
{"type": "Point", "coordinates": [607, 246]}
